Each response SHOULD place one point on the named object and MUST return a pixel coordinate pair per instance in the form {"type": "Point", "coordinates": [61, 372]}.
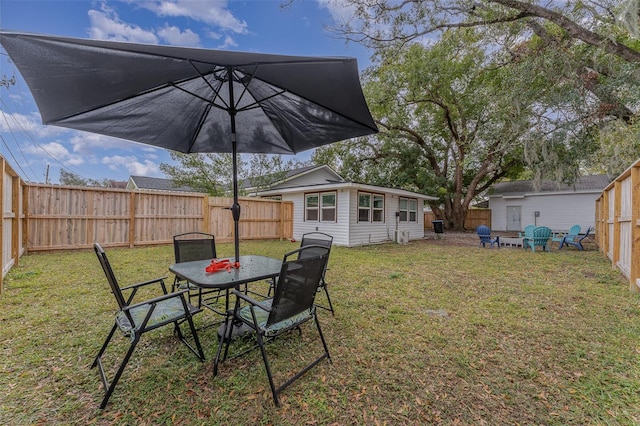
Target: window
{"type": "Point", "coordinates": [370, 207]}
{"type": "Point", "coordinates": [378, 208]}
{"type": "Point", "coordinates": [328, 207]}
{"type": "Point", "coordinates": [320, 207]}
{"type": "Point", "coordinates": [408, 210]}
{"type": "Point", "coordinates": [311, 207]}
{"type": "Point", "coordinates": [364, 207]}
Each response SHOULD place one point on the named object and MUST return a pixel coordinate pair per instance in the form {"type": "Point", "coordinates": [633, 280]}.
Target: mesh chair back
{"type": "Point", "coordinates": [298, 283]}
{"type": "Point", "coordinates": [194, 246]}
{"type": "Point", "coordinates": [111, 278]}
{"type": "Point", "coordinates": [315, 239]}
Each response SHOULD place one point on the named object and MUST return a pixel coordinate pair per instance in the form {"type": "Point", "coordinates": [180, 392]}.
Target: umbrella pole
{"type": "Point", "coordinates": [235, 208]}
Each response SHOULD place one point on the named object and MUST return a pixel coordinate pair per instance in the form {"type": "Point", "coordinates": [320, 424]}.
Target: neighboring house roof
{"type": "Point", "coordinates": [155, 184]}
{"type": "Point", "coordinates": [595, 183]}
{"type": "Point", "coordinates": [346, 185]}
{"type": "Point", "coordinates": [293, 174]}
{"type": "Point", "coordinates": [117, 184]}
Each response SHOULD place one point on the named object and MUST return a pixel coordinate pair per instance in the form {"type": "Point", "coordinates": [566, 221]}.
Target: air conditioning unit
{"type": "Point", "coordinates": [402, 237]}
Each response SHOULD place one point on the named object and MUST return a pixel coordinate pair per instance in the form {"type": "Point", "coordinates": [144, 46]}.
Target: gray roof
{"type": "Point", "coordinates": [158, 184]}
{"type": "Point", "coordinates": [246, 183]}
{"type": "Point", "coordinates": [595, 183]}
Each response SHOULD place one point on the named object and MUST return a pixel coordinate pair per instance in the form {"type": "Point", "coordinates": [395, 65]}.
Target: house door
{"type": "Point", "coordinates": [513, 218]}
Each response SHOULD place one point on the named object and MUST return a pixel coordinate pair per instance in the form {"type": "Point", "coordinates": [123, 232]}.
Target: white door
{"type": "Point", "coordinates": [513, 218]}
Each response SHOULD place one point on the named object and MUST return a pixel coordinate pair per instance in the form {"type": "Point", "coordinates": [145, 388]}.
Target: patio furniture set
{"type": "Point", "coordinates": [535, 236]}
{"type": "Point", "coordinates": [223, 287]}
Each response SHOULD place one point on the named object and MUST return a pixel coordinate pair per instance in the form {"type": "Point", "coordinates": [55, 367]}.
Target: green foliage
{"type": "Point", "coordinates": [210, 173]}
{"type": "Point", "coordinates": [268, 169]}
{"type": "Point", "coordinates": [453, 121]}
{"type": "Point", "coordinates": [72, 179]}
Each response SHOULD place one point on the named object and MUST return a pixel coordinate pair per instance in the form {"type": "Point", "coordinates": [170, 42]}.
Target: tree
{"type": "Point", "coordinates": [452, 123]}
{"type": "Point", "coordinates": [381, 22]}
{"type": "Point", "coordinates": [210, 173]}
{"type": "Point", "coordinates": [213, 173]}
{"type": "Point", "coordinates": [589, 52]}
{"type": "Point", "coordinates": [265, 170]}
{"type": "Point", "coordinates": [73, 179]}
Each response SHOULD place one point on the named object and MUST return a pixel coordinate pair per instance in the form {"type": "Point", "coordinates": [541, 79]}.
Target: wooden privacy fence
{"type": "Point", "coordinates": [60, 217]}
{"type": "Point", "coordinates": [475, 218]}
{"type": "Point", "coordinates": [12, 230]}
{"type": "Point", "coordinates": [618, 224]}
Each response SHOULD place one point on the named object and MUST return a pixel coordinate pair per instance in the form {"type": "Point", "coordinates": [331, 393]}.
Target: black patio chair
{"type": "Point", "coordinates": [192, 246]}
{"type": "Point", "coordinates": [291, 306]}
{"type": "Point", "coordinates": [323, 240]}
{"type": "Point", "coordinates": [316, 239]}
{"type": "Point", "coordinates": [135, 319]}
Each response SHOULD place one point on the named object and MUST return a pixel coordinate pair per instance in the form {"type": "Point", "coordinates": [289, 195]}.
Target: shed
{"type": "Point", "coordinates": [558, 206]}
{"type": "Point", "coordinates": [353, 213]}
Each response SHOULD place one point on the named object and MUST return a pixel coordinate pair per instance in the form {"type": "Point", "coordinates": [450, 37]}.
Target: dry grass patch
{"type": "Point", "coordinates": [431, 332]}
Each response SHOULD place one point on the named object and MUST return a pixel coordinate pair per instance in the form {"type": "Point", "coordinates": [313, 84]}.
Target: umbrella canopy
{"type": "Point", "coordinates": [193, 100]}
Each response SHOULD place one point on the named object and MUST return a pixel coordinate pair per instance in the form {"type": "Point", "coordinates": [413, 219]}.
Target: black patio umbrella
{"type": "Point", "coordinates": [193, 100]}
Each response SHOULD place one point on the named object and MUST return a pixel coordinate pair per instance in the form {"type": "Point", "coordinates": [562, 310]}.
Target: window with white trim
{"type": "Point", "coordinates": [320, 207]}
{"type": "Point", "coordinates": [328, 207]}
{"type": "Point", "coordinates": [370, 207]}
{"type": "Point", "coordinates": [408, 210]}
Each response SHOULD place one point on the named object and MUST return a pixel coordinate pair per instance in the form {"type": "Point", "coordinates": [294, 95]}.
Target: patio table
{"type": "Point", "coordinates": [252, 268]}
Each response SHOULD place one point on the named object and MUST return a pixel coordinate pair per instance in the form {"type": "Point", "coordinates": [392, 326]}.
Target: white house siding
{"type": "Point", "coordinates": [558, 211]}
{"type": "Point", "coordinates": [338, 230]}
{"type": "Point", "coordinates": [362, 233]}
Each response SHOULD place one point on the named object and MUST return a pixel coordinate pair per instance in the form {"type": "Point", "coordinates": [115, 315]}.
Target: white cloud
{"type": "Point", "coordinates": [55, 150]}
{"type": "Point", "coordinates": [106, 25]}
{"type": "Point", "coordinates": [210, 12]}
{"type": "Point", "coordinates": [228, 42]}
{"type": "Point", "coordinates": [16, 123]}
{"type": "Point", "coordinates": [132, 165]}
{"type": "Point", "coordinates": [86, 143]}
{"type": "Point", "coordinates": [173, 35]}
{"type": "Point", "coordinates": [340, 10]}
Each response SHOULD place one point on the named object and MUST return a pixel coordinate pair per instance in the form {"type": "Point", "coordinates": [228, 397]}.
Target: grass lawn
{"type": "Point", "coordinates": [431, 332]}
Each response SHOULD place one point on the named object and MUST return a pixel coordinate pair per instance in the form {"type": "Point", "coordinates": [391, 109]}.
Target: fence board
{"type": "Point", "coordinates": [475, 218]}
{"type": "Point", "coordinates": [618, 222]}
{"type": "Point", "coordinates": [76, 217]}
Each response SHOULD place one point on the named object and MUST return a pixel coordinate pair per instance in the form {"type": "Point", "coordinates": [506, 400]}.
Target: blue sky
{"type": "Point", "coordinates": [256, 26]}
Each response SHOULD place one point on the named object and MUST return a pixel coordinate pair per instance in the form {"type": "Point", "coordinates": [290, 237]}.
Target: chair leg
{"type": "Point", "coordinates": [267, 367]}
{"type": "Point", "coordinates": [104, 346]}
{"type": "Point", "coordinates": [109, 387]}
{"type": "Point", "coordinates": [198, 349]}
{"type": "Point", "coordinates": [326, 292]}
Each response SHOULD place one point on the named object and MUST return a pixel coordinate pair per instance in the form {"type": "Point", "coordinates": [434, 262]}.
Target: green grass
{"type": "Point", "coordinates": [424, 333]}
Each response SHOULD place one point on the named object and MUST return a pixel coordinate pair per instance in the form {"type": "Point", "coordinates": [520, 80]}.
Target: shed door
{"type": "Point", "coordinates": [513, 218]}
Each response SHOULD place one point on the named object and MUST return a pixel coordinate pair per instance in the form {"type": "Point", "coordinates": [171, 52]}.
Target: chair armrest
{"type": "Point", "coordinates": [179, 294]}
{"type": "Point", "coordinates": [144, 283]}
{"type": "Point", "coordinates": [251, 300]}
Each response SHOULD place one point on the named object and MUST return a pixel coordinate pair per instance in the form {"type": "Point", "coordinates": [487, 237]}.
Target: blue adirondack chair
{"type": "Point", "coordinates": [575, 240]}
{"type": "Point", "coordinates": [484, 232]}
{"type": "Point", "coordinates": [571, 235]}
{"type": "Point", "coordinates": [526, 234]}
{"type": "Point", "coordinates": [540, 238]}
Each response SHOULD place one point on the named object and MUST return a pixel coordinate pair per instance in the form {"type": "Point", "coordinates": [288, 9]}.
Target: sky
{"type": "Point", "coordinates": [38, 152]}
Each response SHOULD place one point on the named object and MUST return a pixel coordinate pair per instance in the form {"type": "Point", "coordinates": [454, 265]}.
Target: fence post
{"type": "Point", "coordinates": [617, 206]}
{"type": "Point", "coordinates": [634, 272]}
{"type": "Point", "coordinates": [132, 218]}
{"type": "Point", "coordinates": [2, 230]}
{"type": "Point", "coordinates": [206, 215]}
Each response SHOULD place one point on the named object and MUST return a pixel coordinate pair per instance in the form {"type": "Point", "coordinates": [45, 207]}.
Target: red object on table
{"type": "Point", "coordinates": [219, 265]}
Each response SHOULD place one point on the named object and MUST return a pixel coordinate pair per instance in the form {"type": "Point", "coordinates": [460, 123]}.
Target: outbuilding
{"type": "Point", "coordinates": [517, 204]}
